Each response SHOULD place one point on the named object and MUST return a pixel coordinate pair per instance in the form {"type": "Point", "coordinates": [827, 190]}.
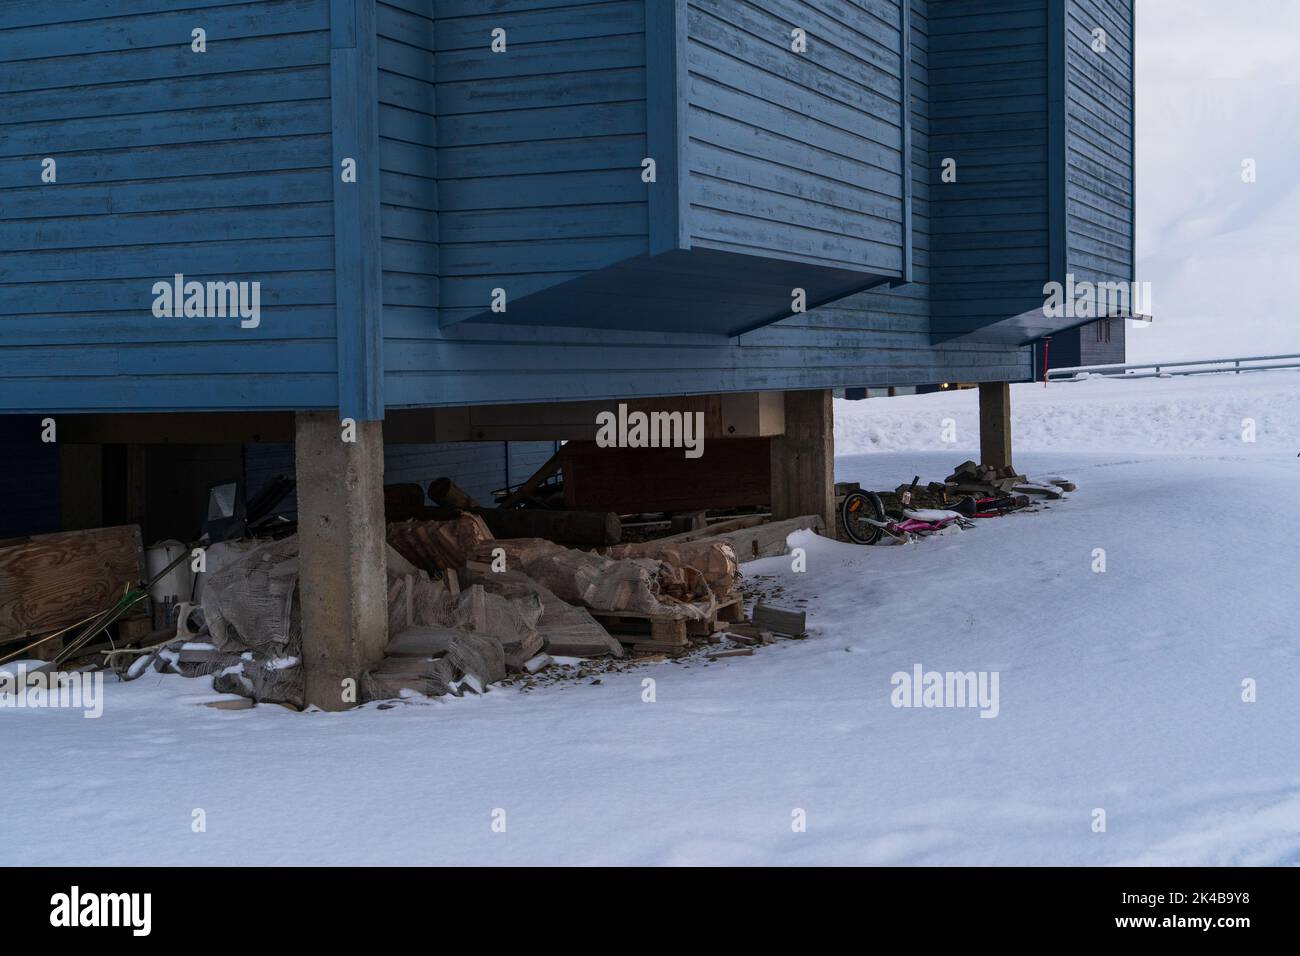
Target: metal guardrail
{"type": "Point", "coordinates": [1166, 369]}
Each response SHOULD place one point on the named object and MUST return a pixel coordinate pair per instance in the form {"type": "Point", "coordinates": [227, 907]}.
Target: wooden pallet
{"type": "Point", "coordinates": [646, 633]}
{"type": "Point", "coordinates": [731, 611]}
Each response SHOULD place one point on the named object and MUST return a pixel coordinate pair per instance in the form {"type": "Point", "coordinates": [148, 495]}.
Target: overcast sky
{"type": "Point", "coordinates": [1218, 81]}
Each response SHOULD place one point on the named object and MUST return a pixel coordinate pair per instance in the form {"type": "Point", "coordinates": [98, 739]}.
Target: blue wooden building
{"type": "Point", "coordinates": [479, 219]}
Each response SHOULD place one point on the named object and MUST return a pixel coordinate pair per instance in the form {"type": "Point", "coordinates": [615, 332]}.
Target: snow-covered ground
{"type": "Point", "coordinates": [1119, 691]}
{"type": "Point", "coordinates": [1181, 415]}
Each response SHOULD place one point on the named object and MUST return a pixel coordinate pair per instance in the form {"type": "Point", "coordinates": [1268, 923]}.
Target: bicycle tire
{"type": "Point", "coordinates": [856, 506]}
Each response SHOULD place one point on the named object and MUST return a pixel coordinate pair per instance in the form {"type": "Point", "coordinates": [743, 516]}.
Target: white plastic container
{"type": "Point", "coordinates": [176, 583]}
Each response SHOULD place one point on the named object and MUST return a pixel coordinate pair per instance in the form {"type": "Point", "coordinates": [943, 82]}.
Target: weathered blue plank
{"type": "Point", "coordinates": [143, 229]}
{"type": "Point", "coordinates": [1097, 132]}
{"type": "Point", "coordinates": [358, 266]}
{"type": "Point", "coordinates": [179, 159]}
{"type": "Point", "coordinates": [108, 295]}
{"type": "Point", "coordinates": [237, 56]}
{"type": "Point", "coordinates": [250, 189]}
{"type": "Point", "coordinates": [140, 326]}
{"type": "Point", "coordinates": [843, 93]}
{"type": "Point", "coordinates": [667, 133]}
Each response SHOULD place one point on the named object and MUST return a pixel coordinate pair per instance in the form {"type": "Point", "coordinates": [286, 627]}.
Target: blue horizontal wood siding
{"type": "Point", "coordinates": [539, 148]}
{"type": "Point", "coordinates": [797, 155]}
{"type": "Point", "coordinates": [1099, 185]}
{"type": "Point", "coordinates": [518, 170]}
{"type": "Point", "coordinates": [874, 338]}
{"type": "Point", "coordinates": [989, 113]}
{"type": "Point", "coordinates": [215, 165]}
{"type": "Point", "coordinates": [408, 152]}
{"type": "Point", "coordinates": [408, 156]}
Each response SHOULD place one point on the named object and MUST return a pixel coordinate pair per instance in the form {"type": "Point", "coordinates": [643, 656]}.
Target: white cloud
{"type": "Point", "coordinates": [1218, 83]}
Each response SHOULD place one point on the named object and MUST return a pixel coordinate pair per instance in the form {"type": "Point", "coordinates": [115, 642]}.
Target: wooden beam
{"type": "Point", "coordinates": [803, 460]}
{"type": "Point", "coordinates": [995, 424]}
{"type": "Point", "coordinates": [180, 428]}
{"type": "Point", "coordinates": [735, 415]}
{"type": "Point", "coordinates": [666, 134]}
{"type": "Point", "coordinates": [358, 272]}
{"type": "Point", "coordinates": [767, 540]}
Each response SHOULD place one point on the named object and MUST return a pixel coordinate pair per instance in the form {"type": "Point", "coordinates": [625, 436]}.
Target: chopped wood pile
{"type": "Point", "coordinates": [534, 599]}
{"type": "Point", "coordinates": [465, 608]}
{"type": "Point", "coordinates": [972, 479]}
{"type": "Point", "coordinates": [636, 584]}
{"type": "Point", "coordinates": [435, 545]}
{"type": "Point", "coordinates": [715, 560]}
{"type": "Point", "coordinates": [969, 478]}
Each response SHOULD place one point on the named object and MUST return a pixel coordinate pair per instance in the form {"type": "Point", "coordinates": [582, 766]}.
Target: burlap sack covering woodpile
{"type": "Point", "coordinates": [566, 629]}
{"type": "Point", "coordinates": [636, 585]}
{"type": "Point", "coordinates": [254, 620]}
{"type": "Point", "coordinates": [716, 560]}
{"type": "Point", "coordinates": [415, 600]}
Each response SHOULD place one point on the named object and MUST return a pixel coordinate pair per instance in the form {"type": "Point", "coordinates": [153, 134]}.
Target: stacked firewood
{"type": "Point", "coordinates": [969, 478]}
{"type": "Point", "coordinates": [437, 545]}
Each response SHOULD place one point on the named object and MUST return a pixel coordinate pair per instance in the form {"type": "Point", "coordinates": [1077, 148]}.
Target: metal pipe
{"type": "Point", "coordinates": [1231, 365]}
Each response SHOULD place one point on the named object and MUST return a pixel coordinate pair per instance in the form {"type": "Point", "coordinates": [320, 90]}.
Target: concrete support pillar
{"type": "Point", "coordinates": [803, 459]}
{"type": "Point", "coordinates": [343, 561]}
{"type": "Point", "coordinates": [995, 424]}
{"type": "Point", "coordinates": [81, 486]}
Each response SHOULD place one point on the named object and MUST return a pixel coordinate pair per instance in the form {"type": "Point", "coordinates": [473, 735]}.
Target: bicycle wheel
{"type": "Point", "coordinates": [856, 508]}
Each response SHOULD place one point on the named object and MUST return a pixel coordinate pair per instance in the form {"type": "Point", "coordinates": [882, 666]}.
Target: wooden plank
{"type": "Point", "coordinates": [632, 628]}
{"type": "Point", "coordinates": [767, 540]}
{"type": "Point", "coordinates": [780, 621]}
{"type": "Point", "coordinates": [713, 530]}
{"type": "Point", "coordinates": [53, 580]}
{"type": "Point", "coordinates": [732, 611]}
{"type": "Point", "coordinates": [738, 652]}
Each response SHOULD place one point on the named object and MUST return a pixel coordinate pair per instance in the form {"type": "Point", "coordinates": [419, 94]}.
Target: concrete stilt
{"type": "Point", "coordinates": [343, 562]}
{"type": "Point", "coordinates": [995, 424]}
{"type": "Point", "coordinates": [803, 459]}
